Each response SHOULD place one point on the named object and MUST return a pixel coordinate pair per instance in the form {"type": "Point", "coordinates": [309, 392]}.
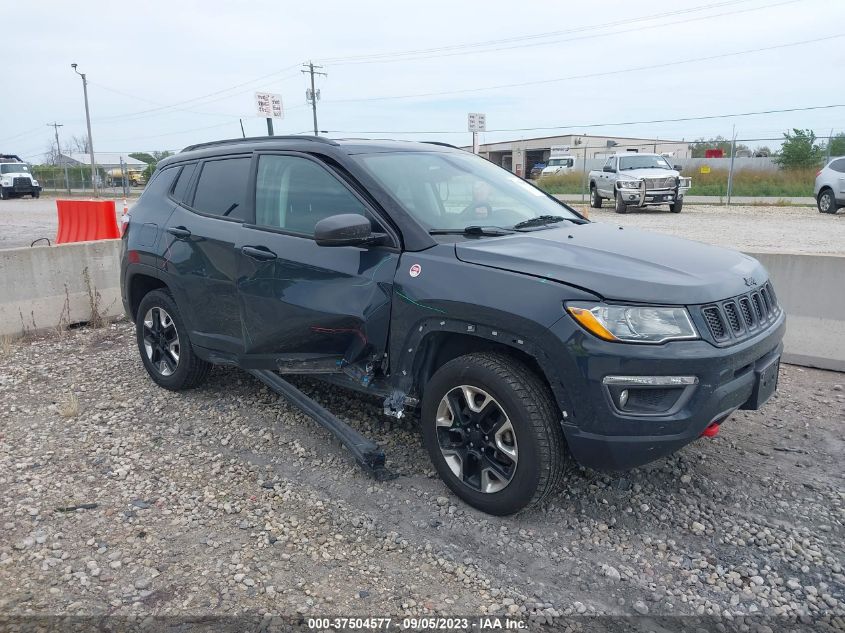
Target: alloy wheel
{"type": "Point", "coordinates": [824, 203]}
{"type": "Point", "coordinates": [161, 341]}
{"type": "Point", "coordinates": [477, 439]}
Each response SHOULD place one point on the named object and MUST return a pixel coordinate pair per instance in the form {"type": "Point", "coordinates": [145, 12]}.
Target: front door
{"type": "Point", "coordinates": [302, 303]}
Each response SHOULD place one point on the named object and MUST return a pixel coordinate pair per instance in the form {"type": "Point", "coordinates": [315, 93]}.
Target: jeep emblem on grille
{"type": "Point", "coordinates": [750, 281]}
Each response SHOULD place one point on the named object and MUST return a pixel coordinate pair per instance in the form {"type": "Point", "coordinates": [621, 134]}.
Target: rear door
{"type": "Point", "coordinates": [300, 301]}
{"type": "Point", "coordinates": [201, 254]}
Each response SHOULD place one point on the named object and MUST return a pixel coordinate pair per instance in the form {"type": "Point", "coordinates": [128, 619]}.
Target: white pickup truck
{"type": "Point", "coordinates": [638, 180]}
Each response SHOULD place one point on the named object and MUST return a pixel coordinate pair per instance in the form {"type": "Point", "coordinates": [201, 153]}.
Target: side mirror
{"type": "Point", "coordinates": [678, 168]}
{"type": "Point", "coordinates": [607, 168]}
{"type": "Point", "coordinates": [345, 229]}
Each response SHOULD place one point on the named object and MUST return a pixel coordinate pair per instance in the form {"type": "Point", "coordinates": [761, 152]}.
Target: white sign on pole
{"type": "Point", "coordinates": [476, 122]}
{"type": "Point", "coordinates": [269, 105]}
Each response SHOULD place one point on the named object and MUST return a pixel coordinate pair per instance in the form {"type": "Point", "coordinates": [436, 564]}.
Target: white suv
{"type": "Point", "coordinates": [830, 186]}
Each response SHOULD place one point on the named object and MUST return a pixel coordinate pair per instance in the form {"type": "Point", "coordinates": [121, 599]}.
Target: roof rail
{"type": "Point", "coordinates": [254, 139]}
{"type": "Point", "coordinates": [441, 144]}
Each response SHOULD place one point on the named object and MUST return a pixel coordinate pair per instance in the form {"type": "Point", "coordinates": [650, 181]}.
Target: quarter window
{"type": "Point", "coordinates": [222, 186]}
{"type": "Point", "coordinates": [183, 181]}
{"type": "Point", "coordinates": [838, 165]}
{"type": "Point", "coordinates": [294, 193]}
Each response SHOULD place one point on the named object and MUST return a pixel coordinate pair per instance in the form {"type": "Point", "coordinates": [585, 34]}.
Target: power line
{"type": "Point", "coordinates": [590, 75]}
{"type": "Point", "coordinates": [582, 126]}
{"type": "Point", "coordinates": [451, 51]}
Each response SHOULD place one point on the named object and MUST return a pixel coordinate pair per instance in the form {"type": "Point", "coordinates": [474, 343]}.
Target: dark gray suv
{"type": "Point", "coordinates": [431, 278]}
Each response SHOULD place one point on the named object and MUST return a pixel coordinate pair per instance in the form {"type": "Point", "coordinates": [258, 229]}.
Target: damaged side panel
{"type": "Point", "coordinates": [309, 299]}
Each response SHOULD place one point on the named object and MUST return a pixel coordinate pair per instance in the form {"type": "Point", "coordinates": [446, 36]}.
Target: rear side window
{"type": "Point", "coordinates": [183, 181]}
{"type": "Point", "coordinates": [161, 182]}
{"type": "Point", "coordinates": [838, 165]}
{"type": "Point", "coordinates": [222, 186]}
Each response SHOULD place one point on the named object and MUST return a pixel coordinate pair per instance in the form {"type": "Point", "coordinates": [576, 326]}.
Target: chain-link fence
{"type": "Point", "coordinates": [76, 180]}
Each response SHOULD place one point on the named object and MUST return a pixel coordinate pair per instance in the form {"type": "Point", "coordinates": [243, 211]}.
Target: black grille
{"type": "Point", "coordinates": [745, 306]}
{"type": "Point", "coordinates": [733, 317]}
{"type": "Point", "coordinates": [715, 323]}
{"type": "Point", "coordinates": [742, 316]}
{"type": "Point", "coordinates": [21, 183]}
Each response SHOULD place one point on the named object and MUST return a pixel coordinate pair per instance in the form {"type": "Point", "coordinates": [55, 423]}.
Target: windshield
{"type": "Point", "coordinates": [453, 191]}
{"type": "Point", "coordinates": [559, 162]}
{"type": "Point", "coordinates": [641, 161]}
{"type": "Point", "coordinates": [13, 168]}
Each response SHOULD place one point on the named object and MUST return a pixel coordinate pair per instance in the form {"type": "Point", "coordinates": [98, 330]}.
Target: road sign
{"type": "Point", "coordinates": [704, 169]}
{"type": "Point", "coordinates": [269, 105]}
{"type": "Point", "coordinates": [476, 122]}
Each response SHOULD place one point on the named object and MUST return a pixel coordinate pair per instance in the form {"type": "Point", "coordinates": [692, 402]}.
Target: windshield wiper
{"type": "Point", "coordinates": [472, 230]}
{"type": "Point", "coordinates": [540, 220]}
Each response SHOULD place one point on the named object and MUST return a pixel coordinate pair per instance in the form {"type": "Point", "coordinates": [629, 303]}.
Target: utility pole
{"type": "Point", "coordinates": [731, 172]}
{"type": "Point", "coordinates": [88, 123]}
{"type": "Point", "coordinates": [56, 127]}
{"type": "Point", "coordinates": [313, 95]}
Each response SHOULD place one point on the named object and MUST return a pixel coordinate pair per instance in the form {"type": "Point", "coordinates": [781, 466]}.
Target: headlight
{"type": "Point", "coordinates": [634, 324]}
{"type": "Point", "coordinates": [685, 182]}
{"type": "Point", "coordinates": [630, 184]}
{"type": "Point", "coordinates": [6, 183]}
{"type": "Point", "coordinates": [34, 182]}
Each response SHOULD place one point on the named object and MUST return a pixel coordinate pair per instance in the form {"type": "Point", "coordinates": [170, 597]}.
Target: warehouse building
{"type": "Point", "coordinates": [521, 155]}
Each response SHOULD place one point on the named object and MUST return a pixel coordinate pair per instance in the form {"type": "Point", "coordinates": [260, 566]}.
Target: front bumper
{"type": "Point", "coordinates": [646, 197]}
{"type": "Point", "coordinates": [601, 436]}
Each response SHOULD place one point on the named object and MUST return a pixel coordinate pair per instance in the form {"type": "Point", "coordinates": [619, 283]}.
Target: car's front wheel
{"type": "Point", "coordinates": [827, 202]}
{"type": "Point", "coordinates": [621, 207]}
{"type": "Point", "coordinates": [493, 432]}
{"type": "Point", "coordinates": [164, 344]}
{"type": "Point", "coordinates": [676, 207]}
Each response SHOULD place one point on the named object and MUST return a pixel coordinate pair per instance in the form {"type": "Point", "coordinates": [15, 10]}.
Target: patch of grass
{"type": "Point", "coordinates": [747, 182]}
{"type": "Point", "coordinates": [752, 182]}
{"type": "Point", "coordinates": [5, 345]}
{"type": "Point", "coordinates": [562, 183]}
{"type": "Point", "coordinates": [69, 408]}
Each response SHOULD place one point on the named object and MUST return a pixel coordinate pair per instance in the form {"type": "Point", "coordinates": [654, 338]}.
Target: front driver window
{"type": "Point", "coordinates": [295, 193]}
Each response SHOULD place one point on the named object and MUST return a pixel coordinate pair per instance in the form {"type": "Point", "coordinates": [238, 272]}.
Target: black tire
{"type": "Point", "coordinates": [676, 207]}
{"type": "Point", "coordinates": [36, 194]}
{"type": "Point", "coordinates": [188, 370]}
{"type": "Point", "coordinates": [621, 207]}
{"type": "Point", "coordinates": [595, 198]}
{"type": "Point", "coordinates": [525, 400]}
{"type": "Point", "coordinates": [827, 201]}
{"type": "Point", "coordinates": [4, 195]}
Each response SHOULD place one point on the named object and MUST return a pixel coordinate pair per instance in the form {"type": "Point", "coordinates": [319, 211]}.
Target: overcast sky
{"type": "Point", "coordinates": [167, 74]}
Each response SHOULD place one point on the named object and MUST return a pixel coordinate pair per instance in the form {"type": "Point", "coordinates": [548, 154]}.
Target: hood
{"type": "Point", "coordinates": [16, 174]}
{"type": "Point", "coordinates": [647, 172]}
{"type": "Point", "coordinates": [620, 264]}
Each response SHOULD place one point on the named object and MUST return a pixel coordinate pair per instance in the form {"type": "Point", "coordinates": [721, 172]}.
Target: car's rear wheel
{"type": "Point", "coordinates": [621, 207]}
{"type": "Point", "coordinates": [827, 201]}
{"type": "Point", "coordinates": [676, 207]}
{"type": "Point", "coordinates": [595, 198]}
{"type": "Point", "coordinates": [493, 432]}
{"type": "Point", "coordinates": [164, 344]}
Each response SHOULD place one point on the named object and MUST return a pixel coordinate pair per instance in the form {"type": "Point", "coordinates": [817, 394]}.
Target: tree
{"type": "Point", "coordinates": [837, 145]}
{"type": "Point", "coordinates": [143, 157]}
{"type": "Point", "coordinates": [799, 149]}
{"type": "Point", "coordinates": [78, 144]}
{"type": "Point", "coordinates": [762, 152]}
{"type": "Point", "coordinates": [699, 146]}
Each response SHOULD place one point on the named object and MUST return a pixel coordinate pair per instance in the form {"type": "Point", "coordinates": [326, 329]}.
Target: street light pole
{"type": "Point", "coordinates": [88, 122]}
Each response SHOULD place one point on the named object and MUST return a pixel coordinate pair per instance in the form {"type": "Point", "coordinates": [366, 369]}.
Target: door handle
{"type": "Point", "coordinates": [261, 254]}
{"type": "Point", "coordinates": [179, 231]}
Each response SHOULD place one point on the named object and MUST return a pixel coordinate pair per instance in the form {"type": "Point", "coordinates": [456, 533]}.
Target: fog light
{"type": "Point", "coordinates": [623, 398]}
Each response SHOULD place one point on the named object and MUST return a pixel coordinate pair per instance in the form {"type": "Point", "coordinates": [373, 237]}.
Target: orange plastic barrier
{"type": "Point", "coordinates": [86, 220]}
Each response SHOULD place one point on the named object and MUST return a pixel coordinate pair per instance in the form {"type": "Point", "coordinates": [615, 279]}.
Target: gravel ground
{"type": "Point", "coordinates": [749, 228]}
{"type": "Point", "coordinates": [770, 229]}
{"type": "Point", "coordinates": [122, 498]}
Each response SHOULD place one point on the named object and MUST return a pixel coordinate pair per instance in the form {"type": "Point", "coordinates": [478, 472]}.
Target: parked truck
{"type": "Point", "coordinates": [16, 178]}
{"type": "Point", "coordinates": [638, 180]}
{"type": "Point", "coordinates": [560, 162]}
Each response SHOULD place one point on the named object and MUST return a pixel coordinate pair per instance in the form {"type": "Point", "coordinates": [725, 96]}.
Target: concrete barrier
{"type": "Point", "coordinates": [44, 287]}
{"type": "Point", "coordinates": [810, 288]}
{"type": "Point", "coordinates": [41, 288]}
